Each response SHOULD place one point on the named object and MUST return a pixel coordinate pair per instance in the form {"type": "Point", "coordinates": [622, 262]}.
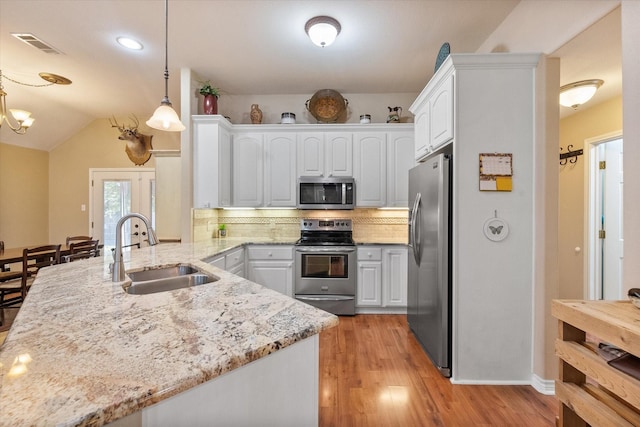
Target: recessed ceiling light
{"type": "Point", "coordinates": [129, 43]}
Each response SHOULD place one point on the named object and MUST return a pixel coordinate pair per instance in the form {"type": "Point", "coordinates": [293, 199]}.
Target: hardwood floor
{"type": "Point", "coordinates": [373, 372]}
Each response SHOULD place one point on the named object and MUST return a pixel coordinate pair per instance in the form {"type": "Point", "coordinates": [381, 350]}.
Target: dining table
{"type": "Point", "coordinates": [14, 255]}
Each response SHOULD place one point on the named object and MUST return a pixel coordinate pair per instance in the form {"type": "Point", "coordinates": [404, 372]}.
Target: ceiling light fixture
{"type": "Point", "coordinates": [23, 117]}
{"type": "Point", "coordinates": [165, 117]}
{"type": "Point", "coordinates": [129, 43]}
{"type": "Point", "coordinates": [322, 30]}
{"type": "Point", "coordinates": [577, 93]}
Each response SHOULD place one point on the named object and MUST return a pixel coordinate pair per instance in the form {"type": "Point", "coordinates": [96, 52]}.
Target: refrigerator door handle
{"type": "Point", "coordinates": [414, 229]}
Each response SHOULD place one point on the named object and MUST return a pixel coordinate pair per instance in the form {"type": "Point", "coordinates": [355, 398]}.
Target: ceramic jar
{"type": "Point", "coordinates": [255, 114]}
{"type": "Point", "coordinates": [288, 118]}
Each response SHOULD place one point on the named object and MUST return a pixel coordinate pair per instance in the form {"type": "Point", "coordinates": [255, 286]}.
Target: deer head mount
{"type": "Point", "coordinates": [138, 145]}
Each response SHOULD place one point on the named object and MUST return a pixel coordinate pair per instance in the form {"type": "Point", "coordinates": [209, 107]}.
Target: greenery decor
{"type": "Point", "coordinates": [207, 89]}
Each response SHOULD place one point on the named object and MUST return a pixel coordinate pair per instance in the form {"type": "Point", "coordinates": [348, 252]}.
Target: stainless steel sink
{"type": "Point", "coordinates": [164, 279]}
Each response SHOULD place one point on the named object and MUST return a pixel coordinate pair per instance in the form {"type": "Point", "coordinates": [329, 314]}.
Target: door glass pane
{"type": "Point", "coordinates": [117, 203]}
{"type": "Point", "coordinates": [152, 192]}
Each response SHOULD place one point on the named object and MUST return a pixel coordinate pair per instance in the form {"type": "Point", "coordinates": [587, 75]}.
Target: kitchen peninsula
{"type": "Point", "coordinates": [84, 352]}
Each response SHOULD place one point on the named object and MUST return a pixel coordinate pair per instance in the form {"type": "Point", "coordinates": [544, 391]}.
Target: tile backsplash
{"type": "Point", "coordinates": [369, 225]}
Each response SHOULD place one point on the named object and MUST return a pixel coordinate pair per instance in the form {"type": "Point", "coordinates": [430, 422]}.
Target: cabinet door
{"type": "Point", "coordinates": [310, 154]}
{"type": "Point", "coordinates": [238, 270]}
{"type": "Point", "coordinates": [280, 170]}
{"type": "Point", "coordinates": [247, 169]}
{"type": "Point", "coordinates": [421, 133]}
{"type": "Point", "coordinates": [276, 275]}
{"type": "Point", "coordinates": [218, 262]}
{"type": "Point", "coordinates": [211, 146]}
{"type": "Point", "coordinates": [394, 283]}
{"type": "Point", "coordinates": [339, 154]}
{"type": "Point", "coordinates": [400, 158]}
{"type": "Point", "coordinates": [441, 114]}
{"type": "Point", "coordinates": [369, 291]}
{"type": "Point", "coordinates": [370, 169]}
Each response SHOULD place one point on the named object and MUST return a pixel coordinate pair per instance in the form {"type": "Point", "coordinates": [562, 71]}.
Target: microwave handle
{"type": "Point", "coordinates": [344, 193]}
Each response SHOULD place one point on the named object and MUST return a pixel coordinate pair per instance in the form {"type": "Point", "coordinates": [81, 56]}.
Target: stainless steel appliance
{"type": "Point", "coordinates": [326, 265]}
{"type": "Point", "coordinates": [316, 192]}
{"type": "Point", "coordinates": [429, 291]}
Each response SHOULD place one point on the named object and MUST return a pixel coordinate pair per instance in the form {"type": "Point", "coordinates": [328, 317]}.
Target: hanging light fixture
{"type": "Point", "coordinates": [577, 93]}
{"type": "Point", "coordinates": [322, 30]}
{"type": "Point", "coordinates": [165, 117]}
{"type": "Point", "coordinates": [22, 117]}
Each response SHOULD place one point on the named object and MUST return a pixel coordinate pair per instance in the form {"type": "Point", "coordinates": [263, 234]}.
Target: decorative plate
{"type": "Point", "coordinates": [445, 50]}
{"type": "Point", "coordinates": [496, 229]}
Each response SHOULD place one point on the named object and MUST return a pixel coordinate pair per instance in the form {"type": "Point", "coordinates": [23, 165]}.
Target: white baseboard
{"type": "Point", "coordinates": [543, 386]}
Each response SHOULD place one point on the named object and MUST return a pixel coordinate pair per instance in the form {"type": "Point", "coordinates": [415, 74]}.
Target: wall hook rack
{"type": "Point", "coordinates": [570, 156]}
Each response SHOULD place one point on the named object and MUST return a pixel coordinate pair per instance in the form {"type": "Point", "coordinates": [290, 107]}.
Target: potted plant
{"type": "Point", "coordinates": [222, 230]}
{"type": "Point", "coordinates": [211, 94]}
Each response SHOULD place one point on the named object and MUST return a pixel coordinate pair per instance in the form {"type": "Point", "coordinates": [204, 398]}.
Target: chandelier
{"type": "Point", "coordinates": [23, 117]}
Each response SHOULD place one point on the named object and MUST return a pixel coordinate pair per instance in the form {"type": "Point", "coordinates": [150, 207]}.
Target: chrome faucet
{"type": "Point", "coordinates": [118, 263]}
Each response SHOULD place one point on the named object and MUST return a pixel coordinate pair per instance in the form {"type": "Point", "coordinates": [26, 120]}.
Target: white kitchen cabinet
{"type": "Point", "coordinates": [395, 275]}
{"type": "Point", "coordinates": [248, 161]}
{"type": "Point", "coordinates": [400, 158]}
{"type": "Point", "coordinates": [370, 169]}
{"type": "Point", "coordinates": [369, 289]}
{"type": "Point", "coordinates": [325, 154]}
{"type": "Point", "coordinates": [233, 262]}
{"type": "Point", "coordinates": [280, 170]}
{"type": "Point", "coordinates": [339, 154]}
{"type": "Point", "coordinates": [211, 162]}
{"type": "Point", "coordinates": [434, 112]}
{"type": "Point", "coordinates": [271, 266]}
{"type": "Point", "coordinates": [310, 154]}
{"type": "Point", "coordinates": [382, 279]}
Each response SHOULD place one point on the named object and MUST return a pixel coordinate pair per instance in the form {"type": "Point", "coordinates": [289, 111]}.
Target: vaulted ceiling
{"type": "Point", "coordinates": [260, 47]}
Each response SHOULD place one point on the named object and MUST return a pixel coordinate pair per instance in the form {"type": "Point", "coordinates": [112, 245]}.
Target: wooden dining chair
{"type": "Point", "coordinates": [33, 259]}
{"type": "Point", "coordinates": [71, 239]}
{"type": "Point", "coordinates": [82, 250]}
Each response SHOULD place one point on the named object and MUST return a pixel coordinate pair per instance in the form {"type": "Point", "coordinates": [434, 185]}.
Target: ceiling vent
{"type": "Point", "coordinates": [32, 40]}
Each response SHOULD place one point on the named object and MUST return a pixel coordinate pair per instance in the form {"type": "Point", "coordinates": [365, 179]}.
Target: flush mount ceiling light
{"type": "Point", "coordinates": [22, 117]}
{"type": "Point", "coordinates": [129, 43]}
{"type": "Point", "coordinates": [577, 93]}
{"type": "Point", "coordinates": [165, 117]}
{"type": "Point", "coordinates": [322, 30]}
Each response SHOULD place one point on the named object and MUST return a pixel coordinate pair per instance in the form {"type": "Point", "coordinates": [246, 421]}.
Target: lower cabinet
{"type": "Point", "coordinates": [272, 266]}
{"type": "Point", "coordinates": [233, 262]}
{"type": "Point", "coordinates": [382, 279]}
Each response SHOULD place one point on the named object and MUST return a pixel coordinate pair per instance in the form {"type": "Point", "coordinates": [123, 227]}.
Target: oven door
{"type": "Point", "coordinates": [325, 270]}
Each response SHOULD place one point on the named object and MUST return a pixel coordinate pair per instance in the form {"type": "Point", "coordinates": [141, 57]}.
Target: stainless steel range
{"type": "Point", "coordinates": [326, 265]}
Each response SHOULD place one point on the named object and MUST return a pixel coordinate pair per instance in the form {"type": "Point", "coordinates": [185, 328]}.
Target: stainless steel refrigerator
{"type": "Point", "coordinates": [429, 291]}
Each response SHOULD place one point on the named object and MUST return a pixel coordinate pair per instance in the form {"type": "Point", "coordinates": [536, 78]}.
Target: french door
{"type": "Point", "coordinates": [115, 193]}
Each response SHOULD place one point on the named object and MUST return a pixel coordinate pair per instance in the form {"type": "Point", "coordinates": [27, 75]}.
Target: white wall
{"type": "Point", "coordinates": [631, 135]}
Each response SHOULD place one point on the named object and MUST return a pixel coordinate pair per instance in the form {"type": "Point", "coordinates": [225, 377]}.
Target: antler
{"type": "Point", "coordinates": [116, 125]}
{"type": "Point", "coordinates": [136, 121]}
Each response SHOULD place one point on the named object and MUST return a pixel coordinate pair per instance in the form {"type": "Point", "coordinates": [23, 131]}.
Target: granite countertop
{"type": "Point", "coordinates": [83, 352]}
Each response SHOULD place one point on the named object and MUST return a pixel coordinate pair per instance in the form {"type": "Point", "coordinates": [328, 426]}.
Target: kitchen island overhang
{"type": "Point", "coordinates": [92, 354]}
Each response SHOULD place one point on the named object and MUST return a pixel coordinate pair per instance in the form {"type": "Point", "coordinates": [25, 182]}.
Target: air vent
{"type": "Point", "coordinates": [32, 40]}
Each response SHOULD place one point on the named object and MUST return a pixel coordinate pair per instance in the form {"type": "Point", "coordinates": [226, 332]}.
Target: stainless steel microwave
{"type": "Point", "coordinates": [326, 193]}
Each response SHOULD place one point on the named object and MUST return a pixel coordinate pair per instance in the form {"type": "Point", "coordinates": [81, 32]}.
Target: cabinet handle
{"type": "Point", "coordinates": [270, 254]}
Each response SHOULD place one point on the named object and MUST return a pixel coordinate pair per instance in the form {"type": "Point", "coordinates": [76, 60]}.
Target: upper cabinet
{"type": "Point", "coordinates": [280, 170]}
{"type": "Point", "coordinates": [248, 150]}
{"type": "Point", "coordinates": [325, 154]}
{"type": "Point", "coordinates": [211, 162]}
{"type": "Point", "coordinates": [258, 165]}
{"type": "Point", "coordinates": [433, 110]}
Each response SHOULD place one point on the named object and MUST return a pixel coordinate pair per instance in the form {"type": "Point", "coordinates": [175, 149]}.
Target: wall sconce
{"type": "Point", "coordinates": [322, 30]}
{"type": "Point", "coordinates": [577, 93]}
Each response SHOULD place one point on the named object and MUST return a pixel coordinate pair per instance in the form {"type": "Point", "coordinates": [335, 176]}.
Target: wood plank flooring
{"type": "Point", "coordinates": [373, 372]}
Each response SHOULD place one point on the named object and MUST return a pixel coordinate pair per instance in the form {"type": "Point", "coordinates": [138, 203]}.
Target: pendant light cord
{"type": "Point", "coordinates": [166, 53]}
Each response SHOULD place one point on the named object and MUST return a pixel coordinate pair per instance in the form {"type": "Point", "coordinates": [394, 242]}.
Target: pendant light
{"type": "Point", "coordinates": [165, 117]}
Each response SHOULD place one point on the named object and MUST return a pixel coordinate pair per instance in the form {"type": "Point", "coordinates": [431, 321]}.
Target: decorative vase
{"type": "Point", "coordinates": [256, 114]}
{"type": "Point", "coordinates": [210, 105]}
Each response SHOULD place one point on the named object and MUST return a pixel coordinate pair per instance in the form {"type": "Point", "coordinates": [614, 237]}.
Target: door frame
{"type": "Point", "coordinates": [92, 171]}
{"type": "Point", "coordinates": [592, 265]}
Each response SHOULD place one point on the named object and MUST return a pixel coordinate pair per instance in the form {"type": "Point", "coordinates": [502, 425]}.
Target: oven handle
{"type": "Point", "coordinates": [332, 249]}
{"type": "Point", "coordinates": [325, 298]}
